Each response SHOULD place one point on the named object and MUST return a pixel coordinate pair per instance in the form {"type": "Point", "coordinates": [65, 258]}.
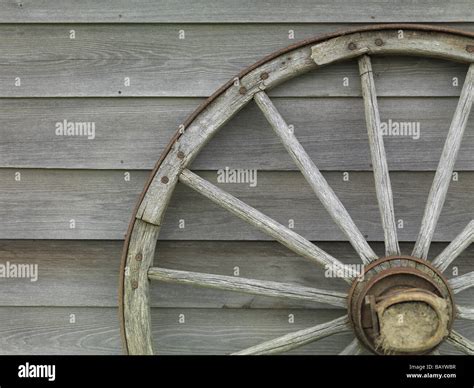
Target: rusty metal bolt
{"type": "Point", "coordinates": [134, 284]}
{"type": "Point", "coordinates": [165, 180]}
{"type": "Point", "coordinates": [180, 155]}
{"type": "Point", "coordinates": [352, 46]}
{"type": "Point", "coordinates": [264, 75]}
{"type": "Point", "coordinates": [378, 42]}
{"type": "Point", "coordinates": [139, 257]}
{"type": "Point", "coordinates": [470, 48]}
{"type": "Point", "coordinates": [243, 90]}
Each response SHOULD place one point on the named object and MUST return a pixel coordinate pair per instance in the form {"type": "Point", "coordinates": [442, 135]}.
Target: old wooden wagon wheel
{"type": "Point", "coordinates": [392, 287]}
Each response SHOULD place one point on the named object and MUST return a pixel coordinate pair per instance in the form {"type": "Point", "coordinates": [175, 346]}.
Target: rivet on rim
{"type": "Point", "coordinates": [352, 46]}
{"type": "Point", "coordinates": [243, 90]}
{"type": "Point", "coordinates": [264, 75]}
{"type": "Point", "coordinates": [139, 257]}
{"type": "Point", "coordinates": [134, 284]}
{"type": "Point", "coordinates": [165, 179]}
{"type": "Point", "coordinates": [180, 155]}
{"type": "Point", "coordinates": [378, 42]}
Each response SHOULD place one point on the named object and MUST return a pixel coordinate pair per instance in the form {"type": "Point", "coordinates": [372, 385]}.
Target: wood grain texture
{"type": "Point", "coordinates": [32, 330]}
{"type": "Point", "coordinates": [455, 248]}
{"type": "Point", "coordinates": [443, 176]}
{"type": "Point", "coordinates": [105, 77]}
{"type": "Point", "coordinates": [204, 11]}
{"type": "Point", "coordinates": [383, 187]}
{"type": "Point", "coordinates": [354, 348]}
{"type": "Point", "coordinates": [299, 338]}
{"type": "Point", "coordinates": [389, 42]}
{"type": "Point", "coordinates": [60, 182]}
{"type": "Point", "coordinates": [160, 188]}
{"type": "Point", "coordinates": [101, 202]}
{"type": "Point", "coordinates": [249, 286]}
{"type": "Point", "coordinates": [465, 312]}
{"type": "Point", "coordinates": [158, 63]}
{"type": "Point", "coordinates": [315, 178]}
{"type": "Point", "coordinates": [208, 121]}
{"type": "Point", "coordinates": [461, 342]}
{"type": "Point", "coordinates": [136, 294]}
{"type": "Point", "coordinates": [260, 221]}
{"type": "Point", "coordinates": [462, 282]}
{"type": "Point", "coordinates": [332, 131]}
{"type": "Point", "coordinates": [84, 273]}
{"type": "Point", "coordinates": [47, 330]}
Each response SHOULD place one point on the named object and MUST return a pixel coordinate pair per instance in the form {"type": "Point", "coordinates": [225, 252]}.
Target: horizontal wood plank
{"type": "Point", "coordinates": [332, 131]}
{"type": "Point", "coordinates": [288, 197]}
{"type": "Point", "coordinates": [87, 204]}
{"type": "Point", "coordinates": [96, 62]}
{"type": "Point", "coordinates": [76, 190]}
{"type": "Point", "coordinates": [26, 330]}
{"type": "Point", "coordinates": [205, 11]}
{"type": "Point", "coordinates": [85, 273]}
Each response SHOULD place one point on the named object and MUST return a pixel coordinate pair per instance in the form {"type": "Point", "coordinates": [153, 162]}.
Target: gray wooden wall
{"type": "Point", "coordinates": [69, 61]}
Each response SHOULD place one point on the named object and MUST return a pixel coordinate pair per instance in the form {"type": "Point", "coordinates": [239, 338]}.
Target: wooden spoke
{"type": "Point", "coordinates": [461, 342]}
{"type": "Point", "coordinates": [455, 248]}
{"type": "Point", "coordinates": [252, 84]}
{"type": "Point", "coordinates": [354, 349]}
{"type": "Point", "coordinates": [249, 286]}
{"type": "Point", "coordinates": [315, 179]}
{"type": "Point", "coordinates": [465, 312]}
{"type": "Point", "coordinates": [444, 171]}
{"type": "Point", "coordinates": [461, 283]}
{"type": "Point", "coordinates": [285, 236]}
{"type": "Point", "coordinates": [383, 187]}
{"type": "Point", "coordinates": [299, 338]}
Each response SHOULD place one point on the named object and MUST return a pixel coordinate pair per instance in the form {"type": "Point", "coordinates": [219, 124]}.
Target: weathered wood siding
{"type": "Point", "coordinates": [70, 61]}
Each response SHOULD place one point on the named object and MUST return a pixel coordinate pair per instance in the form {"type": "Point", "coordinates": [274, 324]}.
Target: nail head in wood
{"type": "Point", "coordinates": [134, 284]}
{"type": "Point", "coordinates": [180, 155]}
{"type": "Point", "coordinates": [352, 46]}
{"type": "Point", "coordinates": [165, 180]}
{"type": "Point", "coordinates": [243, 90]}
{"type": "Point", "coordinates": [470, 48]}
{"type": "Point", "coordinates": [139, 257]}
{"type": "Point", "coordinates": [378, 42]}
{"type": "Point", "coordinates": [264, 75]}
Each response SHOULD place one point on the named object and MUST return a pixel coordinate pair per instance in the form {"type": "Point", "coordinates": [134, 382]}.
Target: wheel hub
{"type": "Point", "coordinates": [401, 305]}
